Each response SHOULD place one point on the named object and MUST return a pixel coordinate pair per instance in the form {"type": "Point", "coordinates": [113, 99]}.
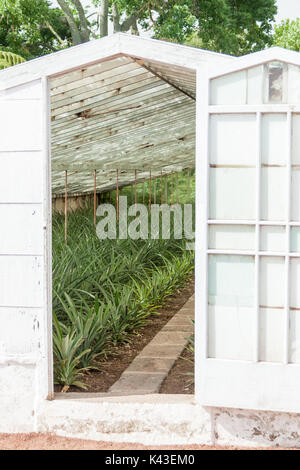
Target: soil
{"type": "Point", "coordinates": [52, 442]}
{"type": "Point", "coordinates": [121, 356]}
{"type": "Point", "coordinates": [181, 377]}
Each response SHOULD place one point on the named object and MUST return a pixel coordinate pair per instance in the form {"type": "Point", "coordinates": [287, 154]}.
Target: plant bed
{"type": "Point", "coordinates": [121, 356]}
{"type": "Point", "coordinates": [105, 292]}
{"type": "Point", "coordinates": [180, 379]}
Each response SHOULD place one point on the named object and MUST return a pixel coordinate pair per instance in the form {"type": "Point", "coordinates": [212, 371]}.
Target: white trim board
{"type": "Point", "coordinates": [99, 49]}
{"type": "Point", "coordinates": [255, 59]}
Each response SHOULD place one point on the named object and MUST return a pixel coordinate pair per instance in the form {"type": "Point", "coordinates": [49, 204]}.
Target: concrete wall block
{"type": "Point", "coordinates": [256, 428]}
{"type": "Point", "coordinates": [152, 420]}
{"type": "Point", "coordinates": [20, 332]}
{"type": "Point", "coordinates": [17, 397]}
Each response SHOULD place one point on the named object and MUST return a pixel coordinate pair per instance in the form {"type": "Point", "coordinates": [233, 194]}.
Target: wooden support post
{"type": "Point", "coordinates": [172, 189]}
{"type": "Point", "coordinates": [150, 181]}
{"type": "Point", "coordinates": [117, 171]}
{"type": "Point", "coordinates": [166, 188]}
{"type": "Point", "coordinates": [95, 195]}
{"type": "Point", "coordinates": [66, 205]}
{"type": "Point", "coordinates": [135, 192]}
{"type": "Point", "coordinates": [189, 185]}
{"type": "Point", "coordinates": [177, 199]}
{"type": "Point", "coordinates": [154, 190]}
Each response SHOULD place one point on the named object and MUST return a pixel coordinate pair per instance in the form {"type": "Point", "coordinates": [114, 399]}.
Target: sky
{"type": "Point", "coordinates": [288, 9]}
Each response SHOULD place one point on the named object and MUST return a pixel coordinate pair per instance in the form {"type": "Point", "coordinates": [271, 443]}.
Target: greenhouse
{"type": "Point", "coordinates": [154, 123]}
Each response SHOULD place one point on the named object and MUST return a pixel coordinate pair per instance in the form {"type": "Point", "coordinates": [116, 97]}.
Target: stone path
{"type": "Point", "coordinates": [148, 370]}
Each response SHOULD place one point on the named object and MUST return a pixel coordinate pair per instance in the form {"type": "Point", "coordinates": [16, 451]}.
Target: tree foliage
{"type": "Point", "coordinates": [287, 34]}
{"type": "Point", "coordinates": [229, 26]}
{"type": "Point", "coordinates": [32, 28]}
{"type": "Point", "coordinates": [8, 59]}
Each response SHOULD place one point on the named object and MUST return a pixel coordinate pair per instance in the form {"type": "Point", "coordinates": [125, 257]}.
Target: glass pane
{"type": "Point", "coordinates": [294, 336]}
{"type": "Point", "coordinates": [295, 311]}
{"type": "Point", "coordinates": [231, 333]}
{"type": "Point", "coordinates": [233, 139]}
{"type": "Point", "coordinates": [272, 282]}
{"type": "Point", "coordinates": [231, 312]}
{"type": "Point", "coordinates": [274, 139]}
{"type": "Point", "coordinates": [293, 84]}
{"type": "Point", "coordinates": [272, 238]}
{"type": "Point", "coordinates": [295, 239]}
{"type": "Point", "coordinates": [231, 237]}
{"type": "Point", "coordinates": [230, 89]}
{"type": "Point", "coordinates": [273, 194]}
{"type": "Point", "coordinates": [295, 284]}
{"type": "Point", "coordinates": [296, 139]}
{"type": "Point", "coordinates": [255, 85]}
{"type": "Point", "coordinates": [296, 195]}
{"type": "Point", "coordinates": [275, 82]}
{"type": "Point", "coordinates": [271, 334]}
{"type": "Point", "coordinates": [232, 193]}
{"type": "Point", "coordinates": [231, 280]}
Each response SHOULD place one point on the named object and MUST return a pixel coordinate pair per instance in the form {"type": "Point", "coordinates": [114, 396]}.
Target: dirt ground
{"type": "Point", "coordinates": [52, 442]}
{"type": "Point", "coordinates": [180, 378]}
{"type": "Point", "coordinates": [122, 356]}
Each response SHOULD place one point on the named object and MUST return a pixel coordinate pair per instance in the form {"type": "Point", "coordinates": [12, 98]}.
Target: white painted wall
{"type": "Point", "coordinates": [22, 297]}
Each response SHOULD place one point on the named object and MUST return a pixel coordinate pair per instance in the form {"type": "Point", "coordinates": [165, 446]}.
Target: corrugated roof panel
{"type": "Point", "coordinates": [123, 114]}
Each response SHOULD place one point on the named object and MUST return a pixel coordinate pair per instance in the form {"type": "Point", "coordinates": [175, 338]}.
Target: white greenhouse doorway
{"type": "Point", "coordinates": [124, 127]}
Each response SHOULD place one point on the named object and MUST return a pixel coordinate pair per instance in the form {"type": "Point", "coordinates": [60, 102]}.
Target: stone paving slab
{"type": "Point", "coordinates": [170, 337]}
{"type": "Point", "coordinates": [187, 311]}
{"type": "Point", "coordinates": [139, 382]}
{"type": "Point", "coordinates": [152, 365]}
{"type": "Point", "coordinates": [186, 328]}
{"type": "Point", "coordinates": [183, 323]}
{"type": "Point", "coordinates": [169, 351]}
{"type": "Point", "coordinates": [179, 320]}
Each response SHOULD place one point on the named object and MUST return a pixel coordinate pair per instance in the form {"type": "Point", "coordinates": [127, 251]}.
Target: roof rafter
{"type": "Point", "coordinates": [161, 77]}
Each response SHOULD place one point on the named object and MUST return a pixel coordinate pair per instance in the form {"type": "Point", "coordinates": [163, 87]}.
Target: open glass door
{"type": "Point", "coordinates": [248, 248]}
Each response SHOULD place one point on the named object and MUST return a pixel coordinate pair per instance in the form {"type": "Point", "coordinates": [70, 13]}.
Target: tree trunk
{"type": "Point", "coordinates": [134, 27]}
{"type": "Point", "coordinates": [116, 18]}
{"type": "Point", "coordinates": [84, 27]}
{"type": "Point", "coordinates": [76, 36]}
{"type": "Point", "coordinates": [129, 23]}
{"type": "Point", "coordinates": [103, 18]}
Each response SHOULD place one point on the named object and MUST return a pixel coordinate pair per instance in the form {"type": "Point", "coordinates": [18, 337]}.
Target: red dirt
{"type": "Point", "coordinates": [51, 442]}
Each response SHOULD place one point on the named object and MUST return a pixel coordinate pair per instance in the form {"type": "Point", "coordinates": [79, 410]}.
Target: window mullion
{"type": "Point", "coordinates": [257, 237]}
{"type": "Point", "coordinates": [288, 231]}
